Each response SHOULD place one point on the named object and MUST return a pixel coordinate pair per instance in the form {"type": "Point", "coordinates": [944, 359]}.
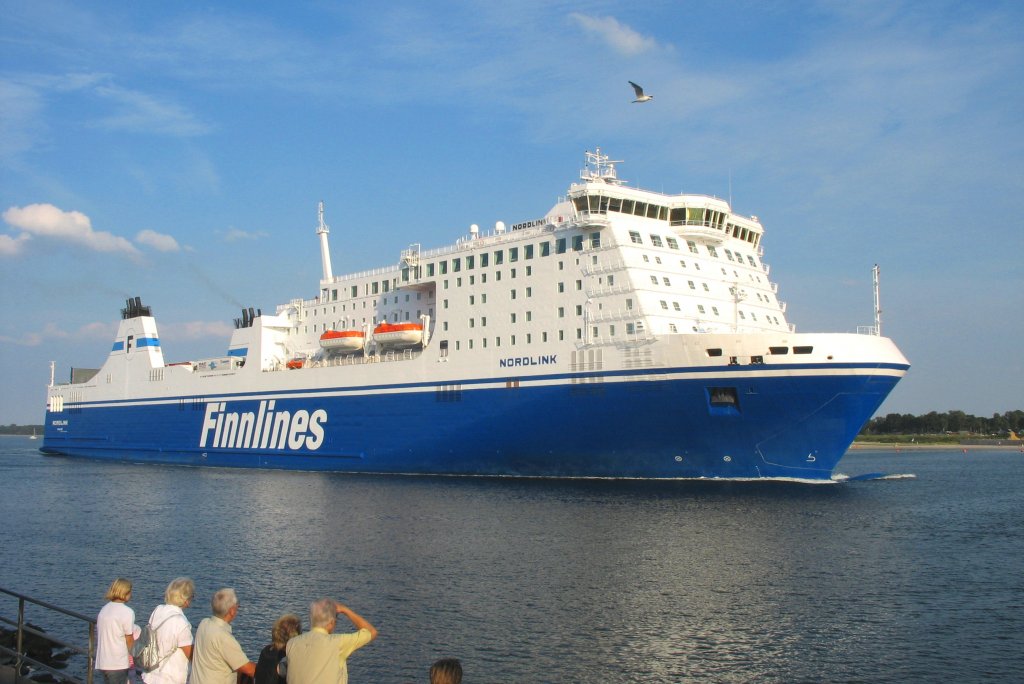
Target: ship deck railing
{"type": "Point", "coordinates": [82, 626]}
{"type": "Point", "coordinates": [355, 359]}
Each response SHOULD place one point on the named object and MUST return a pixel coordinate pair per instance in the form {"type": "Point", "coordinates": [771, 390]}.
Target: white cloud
{"type": "Point", "coordinates": [11, 246]}
{"type": "Point", "coordinates": [46, 220]}
{"type": "Point", "coordinates": [158, 241]}
{"type": "Point", "coordinates": [51, 332]}
{"type": "Point", "coordinates": [195, 330]}
{"type": "Point", "coordinates": [144, 113]}
{"type": "Point", "coordinates": [236, 234]}
{"type": "Point", "coordinates": [620, 37]}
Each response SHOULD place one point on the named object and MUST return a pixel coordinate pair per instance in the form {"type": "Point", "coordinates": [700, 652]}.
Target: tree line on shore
{"type": "Point", "coordinates": [955, 422]}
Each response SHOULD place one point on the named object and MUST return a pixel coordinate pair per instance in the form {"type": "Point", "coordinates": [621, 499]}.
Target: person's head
{"type": "Point", "coordinates": [446, 671]}
{"type": "Point", "coordinates": [224, 604]}
{"type": "Point", "coordinates": [285, 628]}
{"type": "Point", "coordinates": [120, 590]}
{"type": "Point", "coordinates": [323, 613]}
{"type": "Point", "coordinates": [180, 592]}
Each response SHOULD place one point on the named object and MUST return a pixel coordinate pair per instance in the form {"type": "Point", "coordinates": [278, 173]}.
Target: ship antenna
{"type": "Point", "coordinates": [325, 253]}
{"type": "Point", "coordinates": [878, 300]}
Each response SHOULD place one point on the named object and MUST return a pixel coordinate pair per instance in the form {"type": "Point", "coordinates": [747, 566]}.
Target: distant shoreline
{"type": "Point", "coordinates": [936, 446]}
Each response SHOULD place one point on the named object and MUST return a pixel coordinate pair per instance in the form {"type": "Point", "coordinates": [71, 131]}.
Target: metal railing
{"type": "Point", "coordinates": [20, 652]}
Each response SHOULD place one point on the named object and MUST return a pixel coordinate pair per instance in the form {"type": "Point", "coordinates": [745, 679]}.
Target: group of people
{"type": "Point", "coordinates": [214, 656]}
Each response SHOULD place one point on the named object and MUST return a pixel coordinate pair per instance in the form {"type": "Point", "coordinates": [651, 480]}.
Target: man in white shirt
{"type": "Point", "coordinates": [217, 655]}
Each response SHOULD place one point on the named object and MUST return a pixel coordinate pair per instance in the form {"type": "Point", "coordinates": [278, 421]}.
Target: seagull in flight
{"type": "Point", "coordinates": [640, 97]}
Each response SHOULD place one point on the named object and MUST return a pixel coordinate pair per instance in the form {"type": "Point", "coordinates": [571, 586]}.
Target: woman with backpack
{"type": "Point", "coordinates": [173, 634]}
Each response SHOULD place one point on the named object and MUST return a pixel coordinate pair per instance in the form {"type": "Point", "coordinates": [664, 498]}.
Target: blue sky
{"type": "Point", "coordinates": [177, 151]}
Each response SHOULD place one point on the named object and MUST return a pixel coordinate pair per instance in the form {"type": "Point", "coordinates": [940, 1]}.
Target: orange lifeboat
{"type": "Point", "coordinates": [294, 364]}
{"type": "Point", "coordinates": [398, 334]}
{"type": "Point", "coordinates": [342, 340]}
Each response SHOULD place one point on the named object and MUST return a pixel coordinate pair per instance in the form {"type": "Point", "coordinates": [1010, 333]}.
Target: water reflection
{"type": "Point", "coordinates": [539, 580]}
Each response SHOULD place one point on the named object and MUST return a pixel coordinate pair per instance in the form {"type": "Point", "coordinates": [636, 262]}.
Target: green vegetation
{"type": "Point", "coordinates": [941, 428]}
{"type": "Point", "coordinates": [13, 429]}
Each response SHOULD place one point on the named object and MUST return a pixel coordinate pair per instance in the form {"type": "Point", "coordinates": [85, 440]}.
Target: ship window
{"type": "Point", "coordinates": [677, 216]}
{"type": "Point", "coordinates": [595, 240]}
{"type": "Point", "coordinates": [560, 246]}
{"type": "Point", "coordinates": [529, 315]}
{"type": "Point", "coordinates": [751, 260]}
{"type": "Point", "coordinates": [672, 243]}
{"type": "Point", "coordinates": [499, 258]}
{"type": "Point", "coordinates": [667, 282]}
{"type": "Point", "coordinates": [714, 352]}
{"type": "Point", "coordinates": [723, 396]}
{"type": "Point", "coordinates": [743, 315]}
{"type": "Point", "coordinates": [529, 292]}
{"type": "Point", "coordinates": [627, 206]}
{"type": "Point", "coordinates": [472, 300]}
{"type": "Point", "coordinates": [756, 360]}
{"type": "Point", "coordinates": [712, 251]}
{"type": "Point", "coordinates": [630, 328]}
{"type": "Point", "coordinates": [544, 337]}
{"type": "Point", "coordinates": [580, 203]}
{"type": "Point", "coordinates": [579, 309]}
{"type": "Point", "coordinates": [615, 203]}
{"type": "Point", "coordinates": [803, 350]}
{"type": "Point", "coordinates": [634, 236]}
{"type": "Point", "coordinates": [654, 280]}
{"type": "Point", "coordinates": [647, 259]}
{"type": "Point", "coordinates": [545, 249]}
{"type": "Point", "coordinates": [664, 304]}
{"type": "Point", "coordinates": [561, 287]}
{"type": "Point", "coordinates": [577, 243]}
{"type": "Point", "coordinates": [640, 209]}
{"type": "Point", "coordinates": [675, 305]}
{"type": "Point", "coordinates": [629, 304]}
{"type": "Point", "coordinates": [728, 254]}
{"type": "Point", "coordinates": [778, 350]}
{"type": "Point", "coordinates": [652, 211]}
{"type": "Point", "coordinates": [656, 241]}
{"type": "Point", "coordinates": [375, 287]}
{"type": "Point", "coordinates": [484, 259]}
{"type": "Point", "coordinates": [700, 308]}
{"type": "Point", "coordinates": [513, 254]}
{"type": "Point", "coordinates": [715, 309]}
{"type": "Point", "coordinates": [561, 312]}
{"type": "Point", "coordinates": [469, 263]}
{"type": "Point", "coordinates": [456, 265]}
{"type": "Point", "coordinates": [512, 318]}
{"type": "Point", "coordinates": [513, 294]}
{"type": "Point", "coordinates": [442, 267]}
{"type": "Point", "coordinates": [528, 251]}
{"type": "Point", "coordinates": [513, 274]}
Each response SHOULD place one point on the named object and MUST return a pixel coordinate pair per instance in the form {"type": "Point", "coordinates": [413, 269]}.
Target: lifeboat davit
{"type": "Point", "coordinates": [342, 340]}
{"type": "Point", "coordinates": [398, 334]}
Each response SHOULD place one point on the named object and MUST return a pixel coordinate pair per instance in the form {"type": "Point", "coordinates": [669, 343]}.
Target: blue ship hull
{"type": "Point", "coordinates": [781, 426]}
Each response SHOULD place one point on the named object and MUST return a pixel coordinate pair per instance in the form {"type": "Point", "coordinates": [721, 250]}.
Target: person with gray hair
{"type": "Point", "coordinates": [218, 655]}
{"type": "Point", "coordinates": [321, 657]}
{"type": "Point", "coordinates": [173, 634]}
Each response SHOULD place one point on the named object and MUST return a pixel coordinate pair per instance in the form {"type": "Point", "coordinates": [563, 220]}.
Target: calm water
{"type": "Point", "coordinates": [905, 580]}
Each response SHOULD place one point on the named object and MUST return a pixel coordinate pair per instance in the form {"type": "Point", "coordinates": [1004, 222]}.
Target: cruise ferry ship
{"type": "Point", "coordinates": [623, 333]}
